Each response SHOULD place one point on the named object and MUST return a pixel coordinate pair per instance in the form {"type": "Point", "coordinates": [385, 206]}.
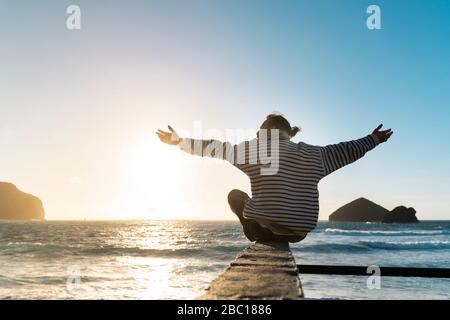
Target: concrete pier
{"type": "Point", "coordinates": [265, 270]}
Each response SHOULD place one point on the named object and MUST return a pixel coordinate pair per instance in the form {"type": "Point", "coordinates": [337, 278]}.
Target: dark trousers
{"type": "Point", "coordinates": [252, 229]}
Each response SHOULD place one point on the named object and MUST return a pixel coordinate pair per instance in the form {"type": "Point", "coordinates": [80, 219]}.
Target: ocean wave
{"type": "Point", "coordinates": [40, 245]}
{"type": "Point", "coordinates": [48, 249]}
{"type": "Point", "coordinates": [359, 247]}
{"type": "Point", "coordinates": [350, 232]}
{"type": "Point", "coordinates": [45, 280]}
{"type": "Point", "coordinates": [14, 248]}
{"type": "Point", "coordinates": [333, 247]}
{"type": "Point", "coordinates": [408, 245]}
{"type": "Point", "coordinates": [164, 253]}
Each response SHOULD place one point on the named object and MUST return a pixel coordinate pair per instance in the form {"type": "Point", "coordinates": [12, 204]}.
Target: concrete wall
{"type": "Point", "coordinates": [265, 270]}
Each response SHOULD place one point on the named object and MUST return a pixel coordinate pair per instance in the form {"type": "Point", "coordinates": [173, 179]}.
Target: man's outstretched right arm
{"type": "Point", "coordinates": [203, 148]}
{"type": "Point", "coordinates": [209, 148]}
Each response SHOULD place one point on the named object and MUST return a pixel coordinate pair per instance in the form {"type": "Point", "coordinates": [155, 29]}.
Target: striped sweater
{"type": "Point", "coordinates": [287, 201]}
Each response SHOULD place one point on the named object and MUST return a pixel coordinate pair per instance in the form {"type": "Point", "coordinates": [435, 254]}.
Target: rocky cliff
{"type": "Point", "coordinates": [359, 210]}
{"type": "Point", "coordinates": [401, 214]}
{"type": "Point", "coordinates": [18, 205]}
{"type": "Point", "coordinates": [363, 210]}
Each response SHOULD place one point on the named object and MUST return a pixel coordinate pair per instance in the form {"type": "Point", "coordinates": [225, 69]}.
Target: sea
{"type": "Point", "coordinates": [178, 259]}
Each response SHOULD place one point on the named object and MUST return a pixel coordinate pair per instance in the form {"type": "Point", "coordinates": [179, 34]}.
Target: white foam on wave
{"type": "Point", "coordinates": [408, 245]}
{"type": "Point", "coordinates": [351, 232]}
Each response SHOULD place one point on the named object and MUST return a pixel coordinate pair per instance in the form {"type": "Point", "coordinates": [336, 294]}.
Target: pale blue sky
{"type": "Point", "coordinates": [76, 104]}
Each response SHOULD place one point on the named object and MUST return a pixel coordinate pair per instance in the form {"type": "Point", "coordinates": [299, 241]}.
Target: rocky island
{"type": "Point", "coordinates": [364, 210]}
{"type": "Point", "coordinates": [18, 205]}
{"type": "Point", "coordinates": [359, 210]}
{"type": "Point", "coordinates": [401, 214]}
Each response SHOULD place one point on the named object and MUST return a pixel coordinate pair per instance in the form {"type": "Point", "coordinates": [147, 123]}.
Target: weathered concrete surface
{"type": "Point", "coordinates": [265, 270]}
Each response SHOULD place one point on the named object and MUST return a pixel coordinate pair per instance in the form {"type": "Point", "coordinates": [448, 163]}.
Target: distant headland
{"type": "Point", "coordinates": [18, 205]}
{"type": "Point", "coordinates": [364, 210]}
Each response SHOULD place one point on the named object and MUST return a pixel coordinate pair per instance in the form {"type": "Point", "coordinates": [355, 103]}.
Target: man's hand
{"type": "Point", "coordinates": [384, 135]}
{"type": "Point", "coordinates": [171, 137]}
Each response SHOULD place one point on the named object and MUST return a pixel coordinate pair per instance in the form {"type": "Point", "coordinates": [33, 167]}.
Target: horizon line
{"type": "Point", "coordinates": [206, 220]}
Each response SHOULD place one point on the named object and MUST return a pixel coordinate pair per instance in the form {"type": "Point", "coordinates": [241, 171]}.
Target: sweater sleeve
{"type": "Point", "coordinates": [209, 148]}
{"type": "Point", "coordinates": [336, 156]}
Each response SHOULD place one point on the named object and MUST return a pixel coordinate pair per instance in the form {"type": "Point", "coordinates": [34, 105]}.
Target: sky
{"type": "Point", "coordinates": [79, 108]}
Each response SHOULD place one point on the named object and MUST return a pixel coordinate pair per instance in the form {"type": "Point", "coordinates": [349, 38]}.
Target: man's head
{"type": "Point", "coordinates": [278, 121]}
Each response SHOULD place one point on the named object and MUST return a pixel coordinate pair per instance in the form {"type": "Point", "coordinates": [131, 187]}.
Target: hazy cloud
{"type": "Point", "coordinates": [75, 180]}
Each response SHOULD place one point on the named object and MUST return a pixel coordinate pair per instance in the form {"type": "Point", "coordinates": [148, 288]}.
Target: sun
{"type": "Point", "coordinates": [151, 178]}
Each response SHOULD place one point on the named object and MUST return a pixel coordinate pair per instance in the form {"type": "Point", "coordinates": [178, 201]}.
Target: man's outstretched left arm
{"type": "Point", "coordinates": [336, 156]}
